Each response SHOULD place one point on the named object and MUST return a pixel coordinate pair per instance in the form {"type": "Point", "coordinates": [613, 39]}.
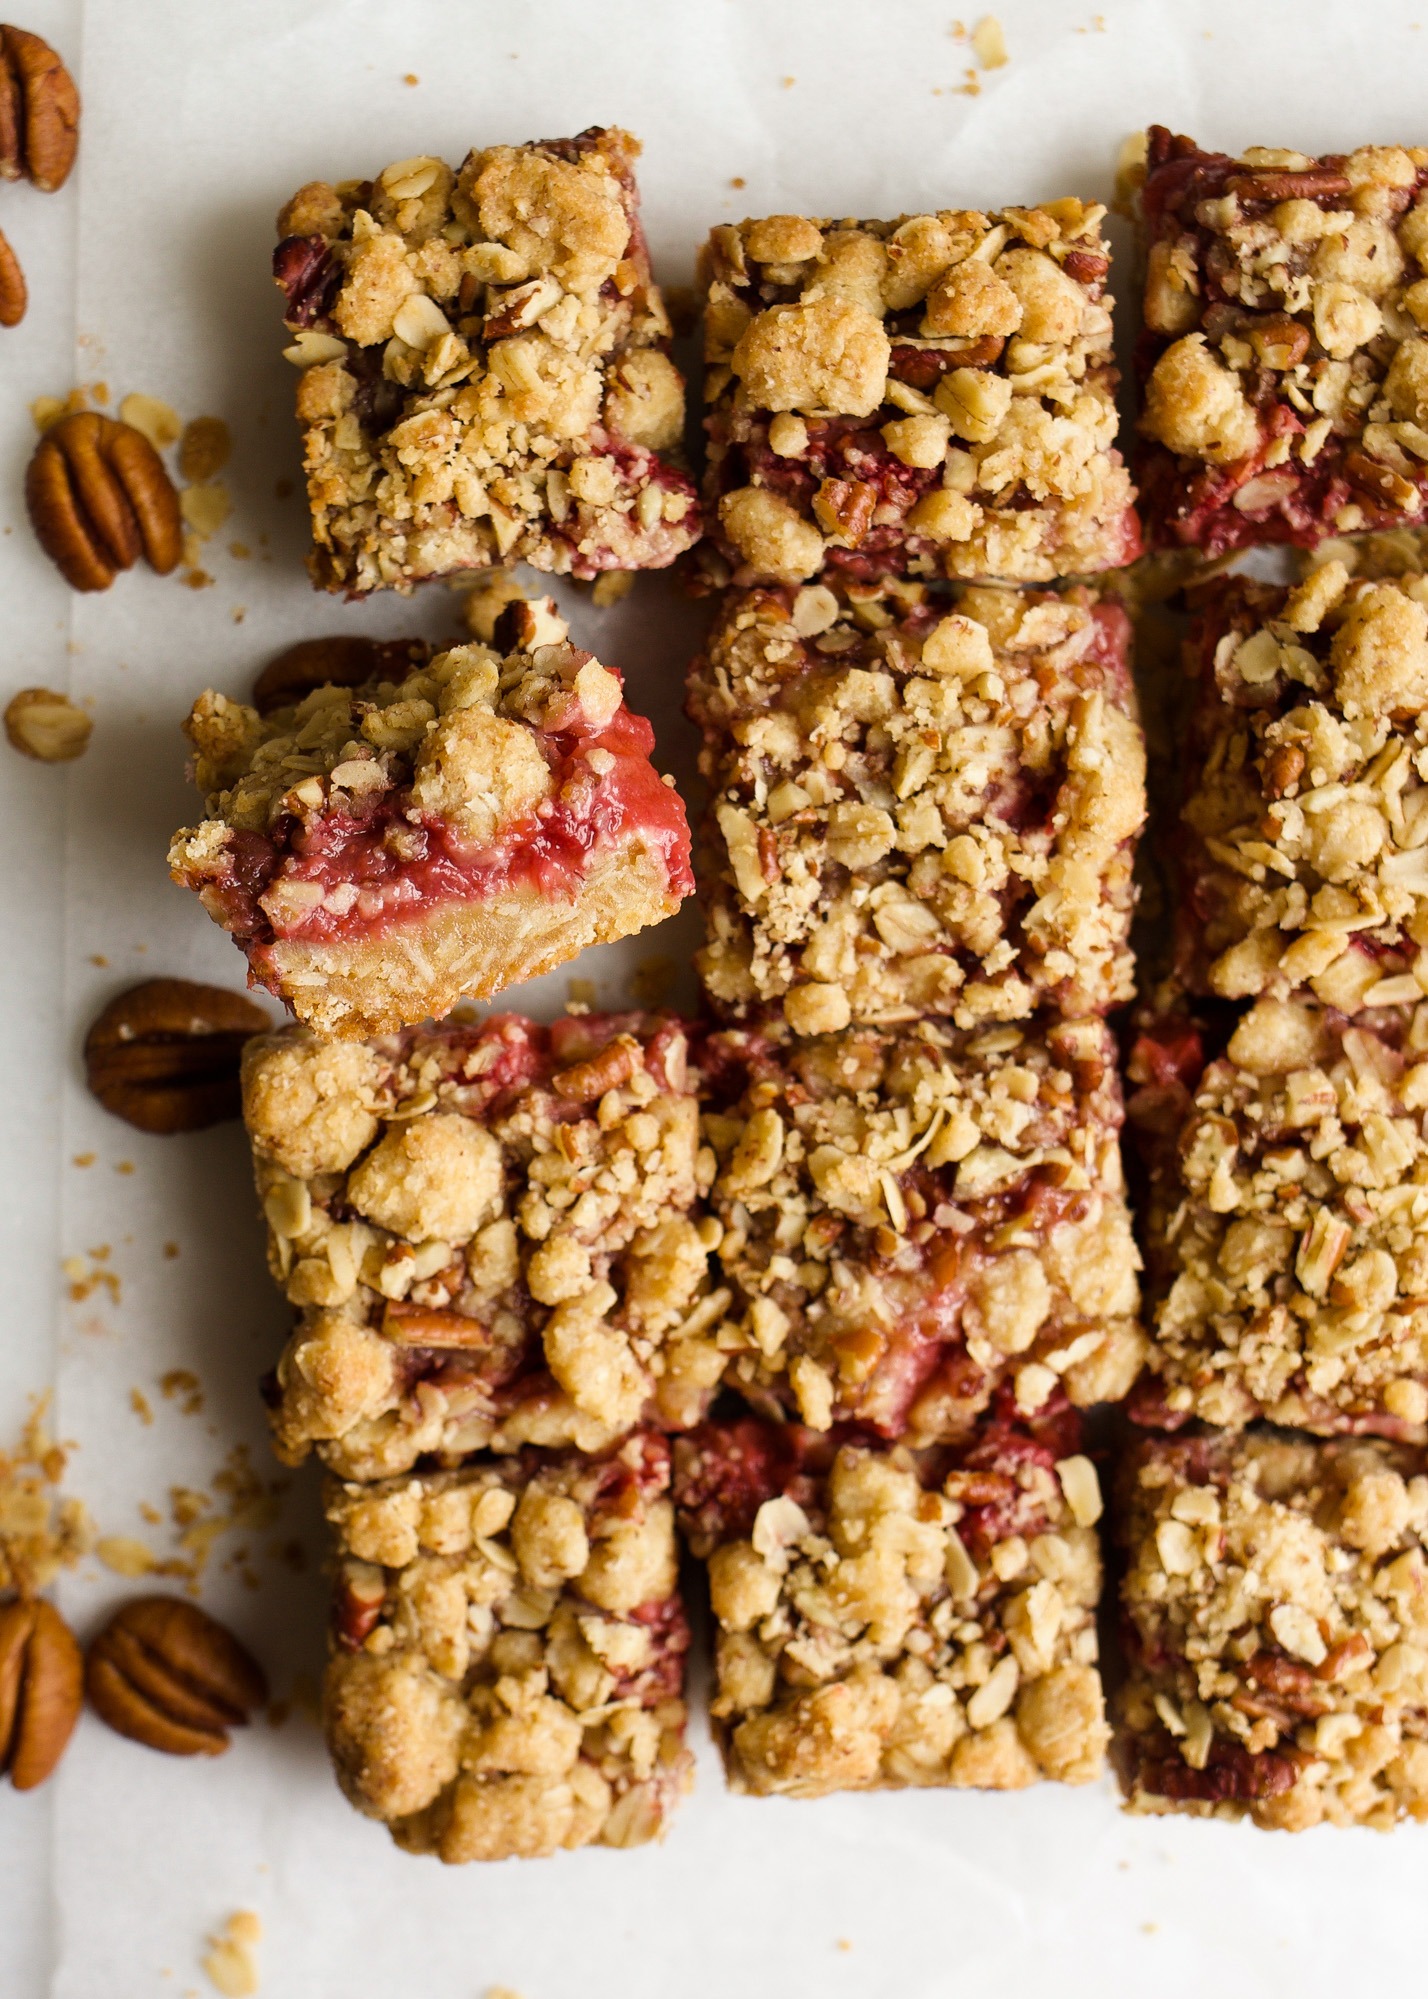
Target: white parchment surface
{"type": "Point", "coordinates": [150, 272]}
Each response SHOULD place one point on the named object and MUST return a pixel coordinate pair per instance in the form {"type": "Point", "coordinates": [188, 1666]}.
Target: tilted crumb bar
{"type": "Point", "coordinates": [1305, 852]}
{"type": "Point", "coordinates": [489, 1233]}
{"type": "Point", "coordinates": [1287, 1226]}
{"type": "Point", "coordinates": [918, 807]}
{"type": "Point", "coordinates": [1276, 1627]}
{"type": "Point", "coordinates": [508, 1647]}
{"type": "Point", "coordinates": [933, 396]}
{"type": "Point", "coordinates": [380, 851]}
{"type": "Point", "coordinates": [912, 1217]}
{"type": "Point", "coordinates": [1283, 367]}
{"type": "Point", "coordinates": [889, 1617]}
{"type": "Point", "coordinates": [485, 368]}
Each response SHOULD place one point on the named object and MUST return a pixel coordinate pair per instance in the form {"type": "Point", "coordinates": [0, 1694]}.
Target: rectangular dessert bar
{"type": "Point", "coordinates": [918, 807]}
{"type": "Point", "coordinates": [1303, 860]}
{"type": "Point", "coordinates": [381, 851]}
{"type": "Point", "coordinates": [1276, 1627]}
{"type": "Point", "coordinates": [1283, 366]}
{"type": "Point", "coordinates": [490, 1235]}
{"type": "Point", "coordinates": [1287, 1223]}
{"type": "Point", "coordinates": [912, 1217]}
{"type": "Point", "coordinates": [485, 368]}
{"type": "Point", "coordinates": [508, 1647]}
{"type": "Point", "coordinates": [889, 1617]}
{"type": "Point", "coordinates": [931, 396]}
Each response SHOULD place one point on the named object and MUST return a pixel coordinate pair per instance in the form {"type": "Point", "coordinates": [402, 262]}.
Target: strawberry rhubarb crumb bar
{"type": "Point", "coordinates": [380, 851]}
{"type": "Point", "coordinates": [918, 808]}
{"type": "Point", "coordinates": [508, 1650]}
{"type": "Point", "coordinates": [1304, 861]}
{"type": "Point", "coordinates": [1283, 365]}
{"type": "Point", "coordinates": [1276, 1626]}
{"type": "Point", "coordinates": [889, 1617]}
{"type": "Point", "coordinates": [485, 375]}
{"type": "Point", "coordinates": [932, 396]}
{"type": "Point", "coordinates": [1287, 1224]}
{"type": "Point", "coordinates": [912, 1217]}
{"type": "Point", "coordinates": [489, 1233]}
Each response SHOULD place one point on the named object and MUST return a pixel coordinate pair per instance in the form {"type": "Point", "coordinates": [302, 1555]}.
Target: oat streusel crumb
{"type": "Point", "coordinates": [908, 1218]}
{"type": "Point", "coordinates": [380, 851]}
{"type": "Point", "coordinates": [918, 807]}
{"type": "Point", "coordinates": [485, 369]}
{"type": "Point", "coordinates": [1277, 1629]}
{"type": "Point", "coordinates": [930, 396]}
{"type": "Point", "coordinates": [490, 1233]}
{"type": "Point", "coordinates": [508, 1653]}
{"type": "Point", "coordinates": [1303, 856]}
{"type": "Point", "coordinates": [889, 1617]}
{"type": "Point", "coordinates": [1287, 1225]}
{"type": "Point", "coordinates": [1284, 366]}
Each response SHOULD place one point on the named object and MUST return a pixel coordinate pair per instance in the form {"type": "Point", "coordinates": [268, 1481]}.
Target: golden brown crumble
{"type": "Point", "coordinates": [508, 1654]}
{"type": "Point", "coordinates": [1278, 1629]}
{"type": "Point", "coordinates": [918, 809]}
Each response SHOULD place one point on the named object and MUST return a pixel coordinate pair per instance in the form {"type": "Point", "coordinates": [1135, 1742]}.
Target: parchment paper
{"type": "Point", "coordinates": [150, 272]}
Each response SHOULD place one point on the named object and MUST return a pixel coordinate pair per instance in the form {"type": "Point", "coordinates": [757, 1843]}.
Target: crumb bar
{"type": "Point", "coordinates": [380, 851]}
{"type": "Point", "coordinates": [508, 1648]}
{"type": "Point", "coordinates": [1288, 1220]}
{"type": "Point", "coordinates": [485, 374]}
{"type": "Point", "coordinates": [1283, 366]}
{"type": "Point", "coordinates": [933, 396]}
{"type": "Point", "coordinates": [918, 807]}
{"type": "Point", "coordinates": [489, 1232]}
{"type": "Point", "coordinates": [889, 1617]}
{"type": "Point", "coordinates": [1276, 1625]}
{"type": "Point", "coordinates": [912, 1217]}
{"type": "Point", "coordinates": [1303, 858]}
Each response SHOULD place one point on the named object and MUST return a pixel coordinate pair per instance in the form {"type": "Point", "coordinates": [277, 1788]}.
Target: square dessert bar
{"type": "Point", "coordinates": [508, 1649]}
{"type": "Point", "coordinates": [485, 368]}
{"type": "Point", "coordinates": [931, 396]}
{"type": "Point", "coordinates": [1305, 851]}
{"type": "Point", "coordinates": [1287, 1232]}
{"type": "Point", "coordinates": [918, 807]}
{"type": "Point", "coordinates": [912, 1217]}
{"type": "Point", "coordinates": [1276, 1629]}
{"type": "Point", "coordinates": [489, 1233]}
{"type": "Point", "coordinates": [380, 851]}
{"type": "Point", "coordinates": [1283, 364]}
{"type": "Point", "coordinates": [889, 1617]}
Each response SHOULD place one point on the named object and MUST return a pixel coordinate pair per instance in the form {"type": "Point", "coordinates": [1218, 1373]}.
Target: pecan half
{"type": "Point", "coordinates": [334, 662]}
{"type": "Point", "coordinates": [41, 1690]}
{"type": "Point", "coordinates": [39, 112]}
{"type": "Point", "coordinates": [165, 1673]}
{"type": "Point", "coordinates": [99, 498]}
{"type": "Point", "coordinates": [14, 292]}
{"type": "Point", "coordinates": [845, 507]}
{"type": "Point", "coordinates": [164, 1055]}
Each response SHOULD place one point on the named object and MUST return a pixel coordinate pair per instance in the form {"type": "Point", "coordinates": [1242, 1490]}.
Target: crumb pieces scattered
{"type": "Point", "coordinates": [41, 1531]}
{"type": "Point", "coordinates": [125, 1555]}
{"type": "Point", "coordinates": [171, 1250]}
{"type": "Point", "coordinates": [305, 1701]}
{"type": "Point", "coordinates": [84, 1158]}
{"type": "Point", "coordinates": [123, 1166]}
{"type": "Point", "coordinates": [85, 1279]}
{"type": "Point", "coordinates": [232, 1961]}
{"type": "Point", "coordinates": [98, 958]}
{"type": "Point", "coordinates": [788, 81]}
{"type": "Point", "coordinates": [158, 421]}
{"type": "Point", "coordinates": [205, 507]}
{"type": "Point", "coordinates": [411, 79]}
{"type": "Point", "coordinates": [738, 181]}
{"type": "Point", "coordinates": [970, 87]}
{"type": "Point", "coordinates": [141, 1406]}
{"type": "Point", "coordinates": [989, 43]}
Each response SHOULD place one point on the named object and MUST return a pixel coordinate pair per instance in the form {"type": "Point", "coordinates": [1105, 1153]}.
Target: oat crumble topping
{"type": "Point", "coordinates": [918, 808]}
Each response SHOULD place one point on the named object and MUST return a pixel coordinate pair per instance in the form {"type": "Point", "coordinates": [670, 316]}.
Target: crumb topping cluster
{"type": "Point", "coordinates": [1277, 1622]}
{"type": "Point", "coordinates": [487, 1232]}
{"type": "Point", "coordinates": [485, 376]}
{"type": "Point", "coordinates": [887, 1617]}
{"type": "Point", "coordinates": [1285, 363]}
{"type": "Point", "coordinates": [1288, 1225]}
{"type": "Point", "coordinates": [908, 1218]}
{"type": "Point", "coordinates": [1307, 815]}
{"type": "Point", "coordinates": [933, 395]}
{"type": "Point", "coordinates": [918, 809]}
{"type": "Point", "coordinates": [508, 1652]}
